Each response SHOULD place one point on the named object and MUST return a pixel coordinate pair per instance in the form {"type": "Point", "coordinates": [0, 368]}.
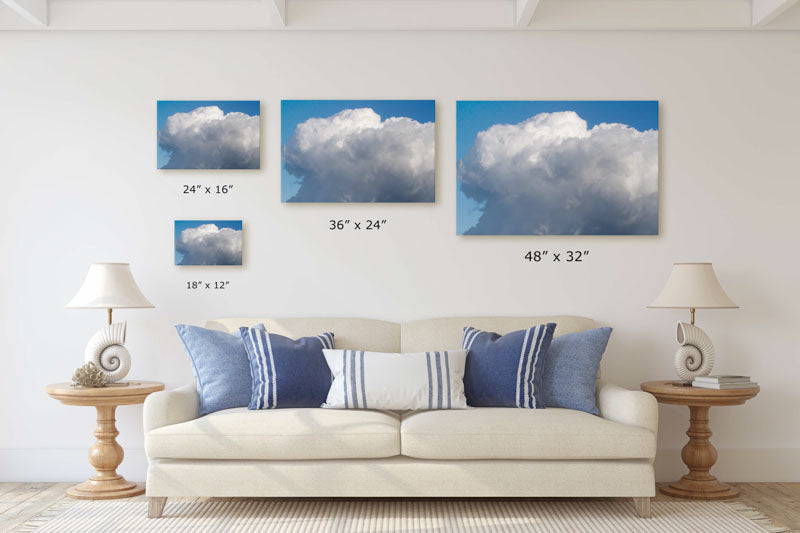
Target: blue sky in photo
{"type": "Point", "coordinates": [181, 225]}
{"type": "Point", "coordinates": [472, 117]}
{"type": "Point", "coordinates": [294, 112]}
{"type": "Point", "coordinates": [167, 108]}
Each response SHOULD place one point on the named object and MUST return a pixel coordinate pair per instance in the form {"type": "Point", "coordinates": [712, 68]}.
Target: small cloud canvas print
{"type": "Point", "coordinates": [557, 168]}
{"type": "Point", "coordinates": [208, 242]}
{"type": "Point", "coordinates": [357, 151]}
{"type": "Point", "coordinates": [215, 134]}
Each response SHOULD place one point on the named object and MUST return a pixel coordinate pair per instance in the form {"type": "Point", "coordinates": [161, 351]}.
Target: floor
{"type": "Point", "coordinates": [21, 501]}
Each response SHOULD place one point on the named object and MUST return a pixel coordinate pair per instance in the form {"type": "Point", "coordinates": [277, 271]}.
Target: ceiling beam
{"type": "Point", "coordinates": [34, 11]}
{"type": "Point", "coordinates": [765, 11]}
{"type": "Point", "coordinates": [278, 10]}
{"type": "Point", "coordinates": [525, 9]}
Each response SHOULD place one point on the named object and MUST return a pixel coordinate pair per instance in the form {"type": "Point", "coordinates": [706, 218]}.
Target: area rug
{"type": "Point", "coordinates": [310, 515]}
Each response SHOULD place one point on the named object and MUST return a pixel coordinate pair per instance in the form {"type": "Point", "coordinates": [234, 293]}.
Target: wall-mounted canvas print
{"type": "Point", "coordinates": [213, 134]}
{"type": "Point", "coordinates": [208, 242]}
{"type": "Point", "coordinates": [357, 151]}
{"type": "Point", "coordinates": [557, 168]}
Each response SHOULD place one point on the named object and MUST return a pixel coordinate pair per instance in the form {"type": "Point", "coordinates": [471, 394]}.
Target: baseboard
{"type": "Point", "coordinates": [63, 464]}
{"type": "Point", "coordinates": [738, 464]}
{"type": "Point", "coordinates": [71, 464]}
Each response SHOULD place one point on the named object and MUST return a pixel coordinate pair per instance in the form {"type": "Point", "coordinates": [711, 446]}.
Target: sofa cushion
{"type": "Point", "coordinates": [448, 333]}
{"type": "Point", "coordinates": [280, 434]}
{"type": "Point", "coordinates": [351, 333]}
{"type": "Point", "coordinates": [510, 433]}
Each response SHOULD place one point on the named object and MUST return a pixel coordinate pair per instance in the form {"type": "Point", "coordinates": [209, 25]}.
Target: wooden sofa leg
{"type": "Point", "coordinates": [642, 506]}
{"type": "Point", "coordinates": [155, 506]}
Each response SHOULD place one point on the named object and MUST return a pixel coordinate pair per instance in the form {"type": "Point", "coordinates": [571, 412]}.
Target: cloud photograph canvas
{"type": "Point", "coordinates": [208, 242]}
{"type": "Point", "coordinates": [357, 151]}
{"type": "Point", "coordinates": [215, 134]}
{"type": "Point", "coordinates": [557, 168]}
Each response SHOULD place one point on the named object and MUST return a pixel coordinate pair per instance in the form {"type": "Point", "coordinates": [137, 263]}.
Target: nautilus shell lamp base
{"type": "Point", "coordinates": [695, 355]}
{"type": "Point", "coordinates": [107, 350]}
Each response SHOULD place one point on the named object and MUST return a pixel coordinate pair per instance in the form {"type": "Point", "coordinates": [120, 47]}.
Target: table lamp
{"type": "Point", "coordinates": [109, 286]}
{"type": "Point", "coordinates": [693, 286]}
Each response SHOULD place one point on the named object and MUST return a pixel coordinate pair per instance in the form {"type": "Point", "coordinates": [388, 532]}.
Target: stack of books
{"type": "Point", "coordinates": [723, 382]}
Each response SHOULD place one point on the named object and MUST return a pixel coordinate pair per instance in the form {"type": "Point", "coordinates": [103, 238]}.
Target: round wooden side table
{"type": "Point", "coordinates": [698, 454]}
{"type": "Point", "coordinates": [106, 454]}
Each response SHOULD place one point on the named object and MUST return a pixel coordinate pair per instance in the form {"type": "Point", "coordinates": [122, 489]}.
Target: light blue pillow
{"type": "Point", "coordinates": [220, 365]}
{"type": "Point", "coordinates": [506, 371]}
{"type": "Point", "coordinates": [286, 372]}
{"type": "Point", "coordinates": [570, 369]}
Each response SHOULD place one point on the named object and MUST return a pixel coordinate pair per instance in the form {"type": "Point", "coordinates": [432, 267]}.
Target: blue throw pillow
{"type": "Point", "coordinates": [506, 371]}
{"type": "Point", "coordinates": [571, 367]}
{"type": "Point", "coordinates": [286, 372]}
{"type": "Point", "coordinates": [220, 365]}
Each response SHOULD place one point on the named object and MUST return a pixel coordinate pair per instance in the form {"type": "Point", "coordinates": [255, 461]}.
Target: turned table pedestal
{"type": "Point", "coordinates": [698, 454]}
{"type": "Point", "coordinates": [106, 454]}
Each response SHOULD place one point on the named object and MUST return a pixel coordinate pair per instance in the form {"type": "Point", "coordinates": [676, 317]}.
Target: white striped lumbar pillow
{"type": "Point", "coordinates": [409, 381]}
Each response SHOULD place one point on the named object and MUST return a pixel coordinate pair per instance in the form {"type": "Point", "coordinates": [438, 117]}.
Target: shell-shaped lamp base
{"type": "Point", "coordinates": [695, 357]}
{"type": "Point", "coordinates": [106, 349]}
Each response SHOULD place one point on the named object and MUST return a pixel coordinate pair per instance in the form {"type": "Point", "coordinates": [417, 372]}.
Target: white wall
{"type": "Point", "coordinates": [79, 184]}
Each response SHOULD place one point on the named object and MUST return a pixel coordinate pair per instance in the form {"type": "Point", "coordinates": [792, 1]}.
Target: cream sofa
{"type": "Point", "coordinates": [481, 452]}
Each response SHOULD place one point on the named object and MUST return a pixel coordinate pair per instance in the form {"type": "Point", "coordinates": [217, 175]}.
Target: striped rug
{"type": "Point", "coordinates": [310, 515]}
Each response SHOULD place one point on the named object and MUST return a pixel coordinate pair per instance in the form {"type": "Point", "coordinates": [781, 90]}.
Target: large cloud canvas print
{"type": "Point", "coordinates": [357, 151]}
{"type": "Point", "coordinates": [217, 134]}
{"type": "Point", "coordinates": [208, 242]}
{"type": "Point", "coordinates": [557, 168]}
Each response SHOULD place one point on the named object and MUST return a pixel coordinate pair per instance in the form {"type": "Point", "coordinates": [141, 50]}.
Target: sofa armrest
{"type": "Point", "coordinates": [635, 408]}
{"type": "Point", "coordinates": [169, 407]}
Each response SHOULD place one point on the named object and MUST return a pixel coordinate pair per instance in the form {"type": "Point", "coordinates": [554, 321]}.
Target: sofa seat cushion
{"type": "Point", "coordinates": [509, 433]}
{"type": "Point", "coordinates": [279, 434]}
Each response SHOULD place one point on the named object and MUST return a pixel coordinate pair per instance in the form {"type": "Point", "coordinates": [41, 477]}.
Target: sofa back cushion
{"type": "Point", "coordinates": [447, 333]}
{"type": "Point", "coordinates": [417, 336]}
{"type": "Point", "coordinates": [351, 333]}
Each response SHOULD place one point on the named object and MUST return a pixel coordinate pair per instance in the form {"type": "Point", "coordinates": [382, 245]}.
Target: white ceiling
{"type": "Point", "coordinates": [399, 14]}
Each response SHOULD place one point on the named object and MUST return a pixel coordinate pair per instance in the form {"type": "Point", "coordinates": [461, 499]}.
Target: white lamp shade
{"type": "Point", "coordinates": [693, 285]}
{"type": "Point", "coordinates": [109, 286]}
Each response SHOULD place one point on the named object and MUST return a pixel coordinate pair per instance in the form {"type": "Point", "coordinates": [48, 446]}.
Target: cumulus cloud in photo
{"type": "Point", "coordinates": [208, 244]}
{"type": "Point", "coordinates": [209, 138]}
{"type": "Point", "coordinates": [552, 174]}
{"type": "Point", "coordinates": [355, 156]}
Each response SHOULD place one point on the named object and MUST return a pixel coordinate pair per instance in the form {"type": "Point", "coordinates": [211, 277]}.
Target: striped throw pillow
{"type": "Point", "coordinates": [506, 370]}
{"type": "Point", "coordinates": [396, 381]}
{"type": "Point", "coordinates": [286, 372]}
